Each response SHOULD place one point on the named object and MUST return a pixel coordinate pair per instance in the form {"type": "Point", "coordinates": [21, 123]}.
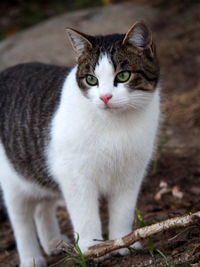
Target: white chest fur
{"type": "Point", "coordinates": [101, 145]}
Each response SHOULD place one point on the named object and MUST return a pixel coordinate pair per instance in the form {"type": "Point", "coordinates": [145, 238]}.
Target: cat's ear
{"type": "Point", "coordinates": [139, 36]}
{"type": "Point", "coordinates": [79, 41]}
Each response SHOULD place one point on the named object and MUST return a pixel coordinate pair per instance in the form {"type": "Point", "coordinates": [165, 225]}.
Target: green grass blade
{"type": "Point", "coordinates": [72, 259]}
{"type": "Point", "coordinates": [151, 245]}
{"type": "Point", "coordinates": [142, 223]}
{"type": "Point", "coordinates": [80, 261]}
{"type": "Point", "coordinates": [77, 239]}
{"type": "Point", "coordinates": [164, 257]}
{"type": "Point", "coordinates": [83, 262]}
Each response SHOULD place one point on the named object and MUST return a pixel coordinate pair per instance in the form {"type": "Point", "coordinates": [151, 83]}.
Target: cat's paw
{"type": "Point", "coordinates": [137, 245]}
{"type": "Point", "coordinates": [33, 262]}
{"type": "Point", "coordinates": [125, 251]}
{"type": "Point", "coordinates": [121, 251]}
{"type": "Point", "coordinates": [84, 246]}
{"type": "Point", "coordinates": [53, 247]}
{"type": "Point", "coordinates": [102, 258]}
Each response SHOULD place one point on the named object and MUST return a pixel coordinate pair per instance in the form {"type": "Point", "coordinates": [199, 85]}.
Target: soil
{"type": "Point", "coordinates": [177, 160]}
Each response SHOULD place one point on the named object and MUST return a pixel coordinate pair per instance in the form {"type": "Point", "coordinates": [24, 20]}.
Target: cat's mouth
{"type": "Point", "coordinates": [110, 107]}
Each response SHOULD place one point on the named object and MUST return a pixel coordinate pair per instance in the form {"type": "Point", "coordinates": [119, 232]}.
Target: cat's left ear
{"type": "Point", "coordinates": [139, 36]}
{"type": "Point", "coordinates": [79, 41]}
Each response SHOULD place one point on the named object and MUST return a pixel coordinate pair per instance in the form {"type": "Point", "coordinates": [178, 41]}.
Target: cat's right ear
{"type": "Point", "coordinates": [139, 36]}
{"type": "Point", "coordinates": [79, 41]}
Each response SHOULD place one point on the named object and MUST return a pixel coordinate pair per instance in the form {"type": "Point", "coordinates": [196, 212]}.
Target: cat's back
{"type": "Point", "coordinates": [30, 84]}
{"type": "Point", "coordinates": [28, 91]}
{"type": "Point", "coordinates": [29, 96]}
{"type": "Point", "coordinates": [27, 77]}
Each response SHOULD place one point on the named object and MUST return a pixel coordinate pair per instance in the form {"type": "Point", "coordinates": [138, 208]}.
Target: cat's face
{"type": "Point", "coordinates": [119, 71]}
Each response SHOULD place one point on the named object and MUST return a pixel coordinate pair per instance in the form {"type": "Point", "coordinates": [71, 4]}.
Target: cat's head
{"type": "Point", "coordinates": [117, 71]}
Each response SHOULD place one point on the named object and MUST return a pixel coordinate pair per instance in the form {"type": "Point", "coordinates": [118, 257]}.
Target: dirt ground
{"type": "Point", "coordinates": [177, 161]}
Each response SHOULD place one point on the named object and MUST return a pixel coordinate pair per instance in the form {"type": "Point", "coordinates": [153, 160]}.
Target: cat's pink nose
{"type": "Point", "coordinates": [105, 98]}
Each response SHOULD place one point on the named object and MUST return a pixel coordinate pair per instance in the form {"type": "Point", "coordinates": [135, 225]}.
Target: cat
{"type": "Point", "coordinates": [76, 134]}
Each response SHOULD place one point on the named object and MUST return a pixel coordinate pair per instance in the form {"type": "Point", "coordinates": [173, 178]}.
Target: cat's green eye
{"type": "Point", "coordinates": [91, 80]}
{"type": "Point", "coordinates": [123, 76]}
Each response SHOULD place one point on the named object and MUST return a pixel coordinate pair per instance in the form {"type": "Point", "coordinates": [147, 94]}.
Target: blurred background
{"type": "Point", "coordinates": [16, 15]}
{"type": "Point", "coordinates": [34, 30]}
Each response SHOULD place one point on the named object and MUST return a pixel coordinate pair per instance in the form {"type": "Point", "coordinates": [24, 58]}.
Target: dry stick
{"type": "Point", "coordinates": [107, 246]}
{"type": "Point", "coordinates": [141, 233]}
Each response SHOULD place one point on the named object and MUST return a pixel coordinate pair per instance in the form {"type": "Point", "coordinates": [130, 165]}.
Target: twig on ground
{"type": "Point", "coordinates": [110, 245]}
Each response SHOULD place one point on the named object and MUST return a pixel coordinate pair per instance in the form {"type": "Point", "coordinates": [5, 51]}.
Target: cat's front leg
{"type": "Point", "coordinates": [83, 206]}
{"type": "Point", "coordinates": [122, 202]}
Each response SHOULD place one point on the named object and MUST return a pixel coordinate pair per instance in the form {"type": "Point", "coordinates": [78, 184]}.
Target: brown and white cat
{"type": "Point", "coordinates": [78, 133]}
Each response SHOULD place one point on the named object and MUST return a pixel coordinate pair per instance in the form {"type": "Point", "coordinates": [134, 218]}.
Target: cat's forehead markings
{"type": "Point", "coordinates": [104, 67]}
